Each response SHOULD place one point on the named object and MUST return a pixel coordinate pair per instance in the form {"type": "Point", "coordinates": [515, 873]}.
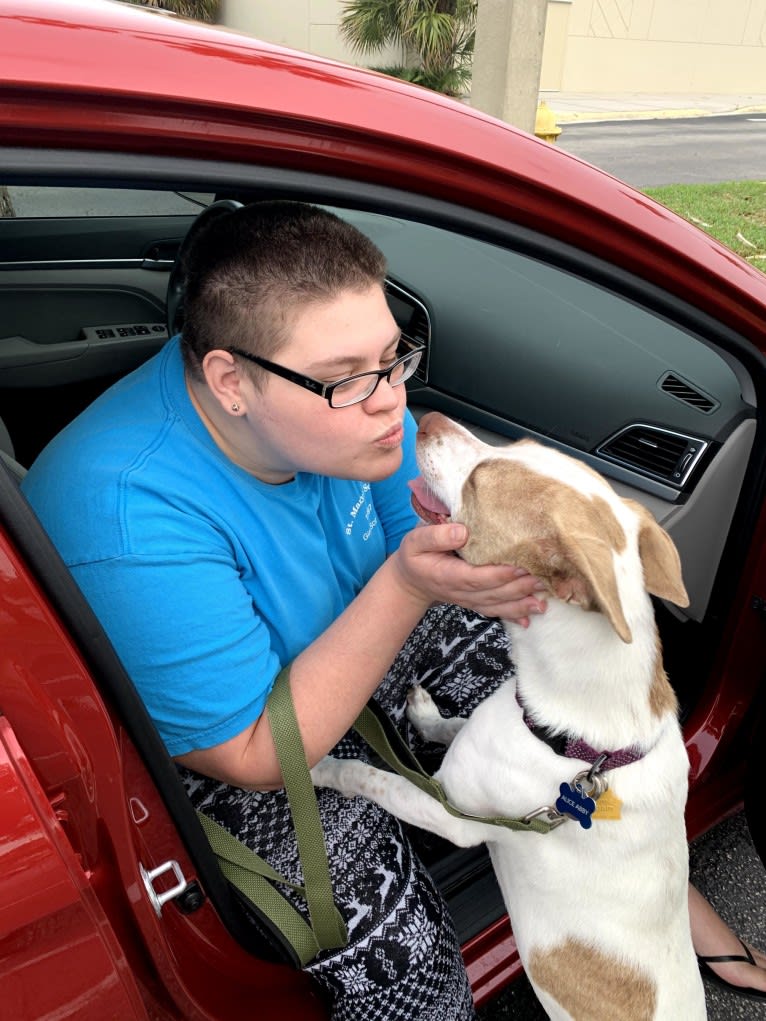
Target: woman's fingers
{"type": "Point", "coordinates": [427, 563]}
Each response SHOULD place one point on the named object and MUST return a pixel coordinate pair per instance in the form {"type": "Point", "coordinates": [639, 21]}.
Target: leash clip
{"type": "Point", "coordinates": [548, 814]}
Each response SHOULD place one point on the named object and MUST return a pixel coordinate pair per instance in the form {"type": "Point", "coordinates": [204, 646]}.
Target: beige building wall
{"type": "Point", "coordinates": [590, 45]}
{"type": "Point", "coordinates": [555, 44]}
{"type": "Point", "coordinates": [310, 25]}
{"type": "Point", "coordinates": [655, 46]}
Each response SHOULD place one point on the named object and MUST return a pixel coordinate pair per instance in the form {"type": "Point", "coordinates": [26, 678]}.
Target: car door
{"type": "Point", "coordinates": [83, 275]}
{"type": "Point", "coordinates": [532, 328]}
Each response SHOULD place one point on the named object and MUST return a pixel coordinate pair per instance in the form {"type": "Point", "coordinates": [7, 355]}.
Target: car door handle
{"type": "Point", "coordinates": [160, 255]}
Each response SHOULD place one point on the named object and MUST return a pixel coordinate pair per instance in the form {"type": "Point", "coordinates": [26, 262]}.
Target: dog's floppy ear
{"type": "Point", "coordinates": [582, 572]}
{"type": "Point", "coordinates": [577, 569]}
{"type": "Point", "coordinates": [659, 558]}
{"type": "Point", "coordinates": [563, 539]}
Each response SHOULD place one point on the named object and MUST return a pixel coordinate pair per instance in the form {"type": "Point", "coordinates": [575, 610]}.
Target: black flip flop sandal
{"type": "Point", "coordinates": [747, 958]}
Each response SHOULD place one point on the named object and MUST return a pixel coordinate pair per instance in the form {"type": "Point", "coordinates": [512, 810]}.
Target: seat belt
{"type": "Point", "coordinates": [254, 877]}
{"type": "Point", "coordinates": [248, 872]}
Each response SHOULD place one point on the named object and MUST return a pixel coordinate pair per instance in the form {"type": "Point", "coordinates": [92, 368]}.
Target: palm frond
{"type": "Point", "coordinates": [431, 33]}
{"type": "Point", "coordinates": [439, 34]}
{"type": "Point", "coordinates": [405, 74]}
{"type": "Point", "coordinates": [369, 25]}
{"type": "Point", "coordinates": [200, 10]}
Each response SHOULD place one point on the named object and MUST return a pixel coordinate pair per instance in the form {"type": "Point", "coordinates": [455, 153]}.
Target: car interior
{"type": "Point", "coordinates": [525, 337]}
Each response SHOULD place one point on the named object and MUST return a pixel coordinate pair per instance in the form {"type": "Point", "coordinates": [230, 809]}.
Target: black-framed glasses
{"type": "Point", "coordinates": [351, 389]}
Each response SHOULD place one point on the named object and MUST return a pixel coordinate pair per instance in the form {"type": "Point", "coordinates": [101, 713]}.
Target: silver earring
{"type": "Point", "coordinates": [235, 408]}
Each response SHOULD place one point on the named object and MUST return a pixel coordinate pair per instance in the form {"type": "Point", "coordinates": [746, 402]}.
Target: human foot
{"type": "Point", "coordinates": [741, 973]}
{"type": "Point", "coordinates": [723, 957]}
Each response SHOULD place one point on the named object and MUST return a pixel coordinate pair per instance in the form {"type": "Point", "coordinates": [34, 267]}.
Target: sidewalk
{"type": "Point", "coordinates": [569, 107]}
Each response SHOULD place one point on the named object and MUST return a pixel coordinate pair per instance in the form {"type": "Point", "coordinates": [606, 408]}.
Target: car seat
{"type": "Point", "coordinates": [7, 454]}
{"type": "Point", "coordinates": [174, 299]}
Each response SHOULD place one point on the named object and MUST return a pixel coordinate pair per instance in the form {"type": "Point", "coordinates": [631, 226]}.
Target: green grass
{"type": "Point", "coordinates": [733, 212]}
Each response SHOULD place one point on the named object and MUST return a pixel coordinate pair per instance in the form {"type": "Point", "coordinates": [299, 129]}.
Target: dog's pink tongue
{"type": "Point", "coordinates": [427, 506]}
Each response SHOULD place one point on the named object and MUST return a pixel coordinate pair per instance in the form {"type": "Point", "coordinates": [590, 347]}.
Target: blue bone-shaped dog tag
{"type": "Point", "coordinates": [575, 804]}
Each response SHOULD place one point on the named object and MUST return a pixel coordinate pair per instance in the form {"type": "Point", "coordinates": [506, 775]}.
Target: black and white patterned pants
{"type": "Point", "coordinates": [403, 960]}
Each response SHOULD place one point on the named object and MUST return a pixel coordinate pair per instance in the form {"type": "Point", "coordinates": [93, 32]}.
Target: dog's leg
{"type": "Point", "coordinates": [399, 797]}
{"type": "Point", "coordinates": [428, 721]}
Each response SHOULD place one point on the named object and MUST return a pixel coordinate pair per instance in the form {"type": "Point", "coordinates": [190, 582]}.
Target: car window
{"type": "Point", "coordinates": [520, 344]}
{"type": "Point", "coordinates": [31, 202]}
{"type": "Point", "coordinates": [561, 355]}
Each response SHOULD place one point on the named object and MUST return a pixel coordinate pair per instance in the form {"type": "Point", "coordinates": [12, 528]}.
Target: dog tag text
{"type": "Point", "coordinates": [572, 801]}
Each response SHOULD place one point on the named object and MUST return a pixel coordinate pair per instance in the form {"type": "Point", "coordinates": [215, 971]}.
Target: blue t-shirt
{"type": "Point", "coordinates": [207, 580]}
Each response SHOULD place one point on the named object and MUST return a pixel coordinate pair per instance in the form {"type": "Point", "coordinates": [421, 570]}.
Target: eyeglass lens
{"type": "Point", "coordinates": [358, 388]}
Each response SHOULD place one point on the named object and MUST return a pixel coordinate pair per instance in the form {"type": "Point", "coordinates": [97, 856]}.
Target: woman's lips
{"type": "Point", "coordinates": [392, 438]}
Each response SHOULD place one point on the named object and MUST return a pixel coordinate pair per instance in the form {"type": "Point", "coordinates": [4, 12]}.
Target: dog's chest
{"type": "Point", "coordinates": [498, 766]}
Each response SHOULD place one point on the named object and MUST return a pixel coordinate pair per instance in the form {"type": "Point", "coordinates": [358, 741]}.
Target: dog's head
{"type": "Point", "coordinates": [536, 508]}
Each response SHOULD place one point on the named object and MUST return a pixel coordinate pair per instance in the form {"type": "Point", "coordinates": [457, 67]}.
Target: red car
{"type": "Point", "coordinates": [555, 302]}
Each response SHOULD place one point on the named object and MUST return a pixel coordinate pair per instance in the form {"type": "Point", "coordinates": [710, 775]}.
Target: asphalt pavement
{"type": "Point", "coordinates": [723, 863]}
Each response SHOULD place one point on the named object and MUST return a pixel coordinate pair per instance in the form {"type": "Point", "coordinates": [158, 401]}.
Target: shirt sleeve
{"type": "Point", "coordinates": [392, 496]}
{"type": "Point", "coordinates": [186, 631]}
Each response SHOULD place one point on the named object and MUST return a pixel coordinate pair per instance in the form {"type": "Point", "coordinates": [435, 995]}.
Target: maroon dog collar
{"type": "Point", "coordinates": [576, 748]}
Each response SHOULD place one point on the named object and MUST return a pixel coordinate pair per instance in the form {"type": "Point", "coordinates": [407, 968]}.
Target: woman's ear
{"type": "Point", "coordinates": [224, 381]}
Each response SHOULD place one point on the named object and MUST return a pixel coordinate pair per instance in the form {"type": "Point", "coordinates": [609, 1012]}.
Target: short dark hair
{"type": "Point", "coordinates": [251, 271]}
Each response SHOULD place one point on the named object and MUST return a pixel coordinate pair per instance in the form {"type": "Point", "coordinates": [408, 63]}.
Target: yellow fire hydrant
{"type": "Point", "coordinates": [545, 123]}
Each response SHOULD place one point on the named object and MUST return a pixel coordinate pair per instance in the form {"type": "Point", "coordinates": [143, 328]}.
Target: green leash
{"type": "Point", "coordinates": [380, 734]}
{"type": "Point", "coordinates": [249, 873]}
{"type": "Point", "coordinates": [254, 877]}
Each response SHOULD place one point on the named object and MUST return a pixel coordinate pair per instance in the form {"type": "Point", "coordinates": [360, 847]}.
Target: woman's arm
{"type": "Point", "coordinates": [334, 677]}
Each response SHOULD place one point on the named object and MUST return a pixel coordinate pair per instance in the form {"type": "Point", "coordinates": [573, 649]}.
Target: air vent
{"type": "Point", "coordinates": [656, 452]}
{"type": "Point", "coordinates": [684, 391]}
{"type": "Point", "coordinates": [419, 328]}
{"type": "Point", "coordinates": [413, 319]}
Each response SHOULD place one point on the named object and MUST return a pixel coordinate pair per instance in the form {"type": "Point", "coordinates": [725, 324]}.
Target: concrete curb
{"type": "Point", "coordinates": [588, 117]}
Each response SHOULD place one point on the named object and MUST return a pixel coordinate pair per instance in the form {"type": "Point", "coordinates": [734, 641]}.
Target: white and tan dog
{"type": "Point", "coordinates": [598, 906]}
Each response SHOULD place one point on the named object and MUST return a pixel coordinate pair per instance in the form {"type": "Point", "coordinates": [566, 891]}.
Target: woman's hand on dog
{"type": "Point", "coordinates": [427, 566]}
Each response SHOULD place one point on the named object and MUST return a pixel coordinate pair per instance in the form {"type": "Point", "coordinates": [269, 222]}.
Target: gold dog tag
{"type": "Point", "coordinates": [608, 806]}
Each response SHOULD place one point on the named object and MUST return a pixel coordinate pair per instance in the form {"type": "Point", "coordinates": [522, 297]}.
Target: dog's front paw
{"type": "Point", "coordinates": [327, 773]}
{"type": "Point", "coordinates": [428, 721]}
{"type": "Point", "coordinates": [344, 775]}
{"type": "Point", "coordinates": [421, 709]}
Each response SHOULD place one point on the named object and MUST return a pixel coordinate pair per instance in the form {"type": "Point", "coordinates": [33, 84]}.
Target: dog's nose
{"type": "Point", "coordinates": [431, 424]}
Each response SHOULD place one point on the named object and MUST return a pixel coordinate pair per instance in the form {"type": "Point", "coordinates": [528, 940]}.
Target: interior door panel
{"type": "Point", "coordinates": [82, 302]}
{"type": "Point", "coordinates": [61, 326]}
{"type": "Point", "coordinates": [43, 240]}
